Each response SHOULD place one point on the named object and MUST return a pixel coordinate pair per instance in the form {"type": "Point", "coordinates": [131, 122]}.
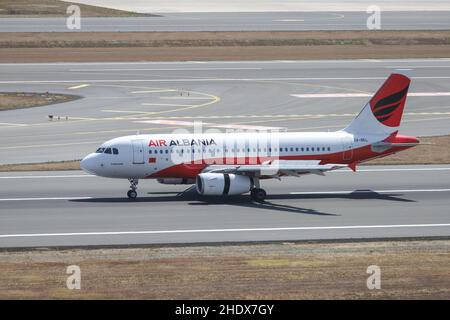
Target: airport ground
{"type": "Point", "coordinates": [314, 237]}
{"type": "Point", "coordinates": [410, 269]}
{"type": "Point", "coordinates": [19, 47]}
{"type": "Point", "coordinates": [55, 8]}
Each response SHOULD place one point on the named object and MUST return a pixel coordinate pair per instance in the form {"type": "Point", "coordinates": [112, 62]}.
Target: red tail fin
{"type": "Point", "coordinates": [388, 103]}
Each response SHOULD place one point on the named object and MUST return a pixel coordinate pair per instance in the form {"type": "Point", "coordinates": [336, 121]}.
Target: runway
{"type": "Point", "coordinates": [238, 21]}
{"type": "Point", "coordinates": [74, 209]}
{"type": "Point", "coordinates": [158, 97]}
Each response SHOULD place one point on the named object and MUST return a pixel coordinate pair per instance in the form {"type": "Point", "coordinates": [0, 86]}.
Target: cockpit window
{"type": "Point", "coordinates": [100, 150]}
{"type": "Point", "coordinates": [115, 151]}
{"type": "Point", "coordinates": [108, 150]}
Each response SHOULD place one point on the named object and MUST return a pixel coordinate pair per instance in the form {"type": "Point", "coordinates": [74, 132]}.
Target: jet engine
{"type": "Point", "coordinates": [176, 181]}
{"type": "Point", "coordinates": [214, 184]}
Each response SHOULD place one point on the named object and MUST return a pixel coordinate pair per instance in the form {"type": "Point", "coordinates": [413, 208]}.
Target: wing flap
{"type": "Point", "coordinates": [277, 168]}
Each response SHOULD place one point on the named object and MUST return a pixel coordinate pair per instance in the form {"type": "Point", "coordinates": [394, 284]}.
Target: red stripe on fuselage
{"type": "Point", "coordinates": [191, 170]}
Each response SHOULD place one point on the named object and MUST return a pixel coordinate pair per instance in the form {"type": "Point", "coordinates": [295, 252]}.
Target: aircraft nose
{"type": "Point", "coordinates": [89, 163]}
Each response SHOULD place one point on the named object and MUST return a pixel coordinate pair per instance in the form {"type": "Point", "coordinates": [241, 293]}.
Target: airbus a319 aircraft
{"type": "Point", "coordinates": [234, 163]}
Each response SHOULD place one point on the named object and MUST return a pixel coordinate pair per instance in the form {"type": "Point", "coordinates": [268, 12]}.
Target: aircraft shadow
{"type": "Point", "coordinates": [193, 199]}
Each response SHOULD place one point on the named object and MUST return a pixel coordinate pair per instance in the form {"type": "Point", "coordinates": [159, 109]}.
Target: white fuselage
{"type": "Point", "coordinates": [183, 155]}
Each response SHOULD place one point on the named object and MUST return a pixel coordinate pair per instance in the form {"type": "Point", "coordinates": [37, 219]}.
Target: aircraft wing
{"type": "Point", "coordinates": [277, 168]}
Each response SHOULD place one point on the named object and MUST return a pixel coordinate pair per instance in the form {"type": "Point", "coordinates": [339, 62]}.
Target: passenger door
{"type": "Point", "coordinates": [138, 151]}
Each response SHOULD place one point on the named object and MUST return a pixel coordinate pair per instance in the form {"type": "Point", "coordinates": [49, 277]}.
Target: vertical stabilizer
{"type": "Point", "coordinates": [383, 113]}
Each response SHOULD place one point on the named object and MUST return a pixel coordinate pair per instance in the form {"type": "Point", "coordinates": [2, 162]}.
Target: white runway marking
{"type": "Point", "coordinates": [295, 192]}
{"type": "Point", "coordinates": [370, 191]}
{"type": "Point", "coordinates": [208, 80]}
{"type": "Point", "coordinates": [43, 199]}
{"type": "Point", "coordinates": [393, 169]}
{"type": "Point", "coordinates": [13, 124]}
{"type": "Point", "coordinates": [206, 124]}
{"type": "Point", "coordinates": [358, 95]}
{"type": "Point", "coordinates": [46, 177]}
{"type": "Point", "coordinates": [78, 87]}
{"type": "Point", "coordinates": [345, 61]}
{"type": "Point", "coordinates": [165, 69]}
{"type": "Point", "coordinates": [154, 91]}
{"type": "Point", "coordinates": [288, 20]}
{"type": "Point", "coordinates": [118, 233]}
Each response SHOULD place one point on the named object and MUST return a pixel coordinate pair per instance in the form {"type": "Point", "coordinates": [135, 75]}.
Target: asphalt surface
{"type": "Point", "coordinates": [71, 209]}
{"type": "Point", "coordinates": [163, 6]}
{"type": "Point", "coordinates": [238, 21]}
{"type": "Point", "coordinates": [157, 97]}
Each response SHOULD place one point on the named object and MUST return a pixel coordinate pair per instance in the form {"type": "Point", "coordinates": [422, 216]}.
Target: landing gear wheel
{"type": "Point", "coordinates": [258, 194]}
{"type": "Point", "coordinates": [132, 194]}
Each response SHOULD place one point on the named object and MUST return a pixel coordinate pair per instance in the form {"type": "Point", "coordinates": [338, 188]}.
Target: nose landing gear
{"type": "Point", "coordinates": [132, 194]}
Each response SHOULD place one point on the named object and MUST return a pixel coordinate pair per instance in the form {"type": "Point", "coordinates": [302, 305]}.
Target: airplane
{"type": "Point", "coordinates": [234, 163]}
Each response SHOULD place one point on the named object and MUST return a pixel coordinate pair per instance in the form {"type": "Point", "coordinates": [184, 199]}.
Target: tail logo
{"type": "Point", "coordinates": [385, 108]}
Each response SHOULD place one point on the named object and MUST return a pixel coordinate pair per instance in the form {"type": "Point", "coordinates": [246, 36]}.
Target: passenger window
{"type": "Point", "coordinates": [296, 149]}
{"type": "Point", "coordinates": [312, 149]}
{"type": "Point", "coordinates": [160, 151]}
{"type": "Point", "coordinates": [167, 151]}
{"type": "Point", "coordinates": [307, 149]}
{"type": "Point", "coordinates": [292, 149]}
{"type": "Point", "coordinates": [329, 149]}
{"type": "Point", "coordinates": [150, 151]}
{"type": "Point", "coordinates": [108, 150]}
{"type": "Point", "coordinates": [115, 151]}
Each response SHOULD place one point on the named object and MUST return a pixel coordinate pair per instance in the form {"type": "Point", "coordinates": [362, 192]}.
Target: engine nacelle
{"type": "Point", "coordinates": [176, 181]}
{"type": "Point", "coordinates": [214, 184]}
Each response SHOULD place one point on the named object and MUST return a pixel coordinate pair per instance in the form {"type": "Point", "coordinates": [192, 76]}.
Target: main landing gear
{"type": "Point", "coordinates": [132, 194]}
{"type": "Point", "coordinates": [257, 194]}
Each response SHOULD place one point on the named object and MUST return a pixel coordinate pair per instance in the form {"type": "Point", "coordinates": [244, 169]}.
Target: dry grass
{"type": "Point", "coordinates": [182, 46]}
{"type": "Point", "coordinates": [44, 166]}
{"type": "Point", "coordinates": [18, 100]}
{"type": "Point", "coordinates": [113, 54]}
{"type": "Point", "coordinates": [55, 8]}
{"type": "Point", "coordinates": [435, 150]}
{"type": "Point", "coordinates": [221, 39]}
{"type": "Point", "coordinates": [411, 270]}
